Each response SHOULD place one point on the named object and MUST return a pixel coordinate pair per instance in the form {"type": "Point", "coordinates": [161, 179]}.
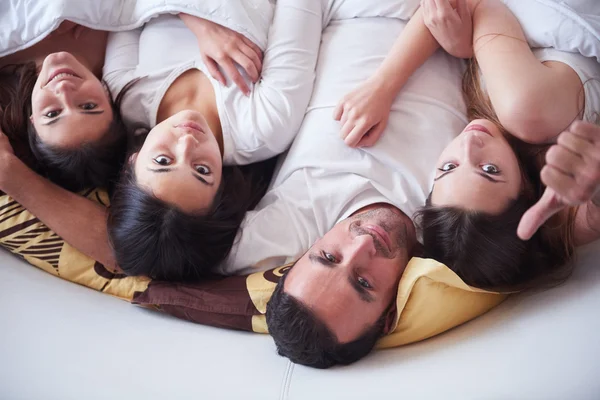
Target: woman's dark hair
{"type": "Point", "coordinates": [154, 238]}
{"type": "Point", "coordinates": [484, 249]}
{"type": "Point", "coordinates": [303, 338]}
{"type": "Point", "coordinates": [94, 164]}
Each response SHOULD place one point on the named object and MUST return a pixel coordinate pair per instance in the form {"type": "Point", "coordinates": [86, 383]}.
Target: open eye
{"type": "Point", "coordinates": [163, 160]}
{"type": "Point", "coordinates": [449, 166]}
{"type": "Point", "coordinates": [202, 169]}
{"type": "Point", "coordinates": [490, 169]}
{"type": "Point", "coordinates": [52, 114]}
{"type": "Point", "coordinates": [329, 257]}
{"type": "Point", "coordinates": [363, 282]}
{"type": "Point", "coordinates": [88, 106]}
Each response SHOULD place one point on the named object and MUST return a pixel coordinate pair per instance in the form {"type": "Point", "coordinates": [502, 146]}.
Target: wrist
{"type": "Point", "coordinates": [386, 86]}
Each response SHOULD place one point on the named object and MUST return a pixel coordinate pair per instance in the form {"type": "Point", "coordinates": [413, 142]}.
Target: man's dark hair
{"type": "Point", "coordinates": [94, 164]}
{"type": "Point", "coordinates": [154, 238]}
{"type": "Point", "coordinates": [303, 338]}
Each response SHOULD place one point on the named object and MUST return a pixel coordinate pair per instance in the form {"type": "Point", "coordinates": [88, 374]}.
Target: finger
{"type": "Point", "coordinates": [254, 58]}
{"type": "Point", "coordinates": [346, 129]}
{"type": "Point", "coordinates": [254, 47]}
{"type": "Point", "coordinates": [573, 142]}
{"type": "Point", "coordinates": [214, 71]}
{"type": "Point", "coordinates": [585, 130]}
{"type": "Point", "coordinates": [338, 111]}
{"type": "Point", "coordinates": [562, 184]}
{"type": "Point", "coordinates": [372, 136]}
{"type": "Point", "coordinates": [539, 213]}
{"type": "Point", "coordinates": [443, 7]}
{"type": "Point", "coordinates": [357, 133]}
{"type": "Point", "coordinates": [233, 74]}
{"type": "Point", "coordinates": [247, 63]}
{"type": "Point", "coordinates": [564, 160]}
{"type": "Point", "coordinates": [463, 10]}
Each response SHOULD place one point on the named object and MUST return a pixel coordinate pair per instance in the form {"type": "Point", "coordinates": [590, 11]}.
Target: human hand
{"type": "Point", "coordinates": [364, 114]}
{"type": "Point", "coordinates": [222, 47]}
{"type": "Point", "coordinates": [450, 24]}
{"type": "Point", "coordinates": [571, 174]}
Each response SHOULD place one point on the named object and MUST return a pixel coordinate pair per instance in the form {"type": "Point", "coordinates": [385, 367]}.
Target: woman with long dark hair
{"type": "Point", "coordinates": [519, 101]}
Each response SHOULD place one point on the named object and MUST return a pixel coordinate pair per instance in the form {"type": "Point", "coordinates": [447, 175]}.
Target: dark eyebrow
{"type": "Point", "coordinates": [362, 292]}
{"type": "Point", "coordinates": [167, 170]}
{"type": "Point", "coordinates": [91, 112]}
{"type": "Point", "coordinates": [482, 174]}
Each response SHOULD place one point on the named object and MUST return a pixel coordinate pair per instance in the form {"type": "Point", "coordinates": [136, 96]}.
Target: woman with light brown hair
{"type": "Point", "coordinates": [521, 160]}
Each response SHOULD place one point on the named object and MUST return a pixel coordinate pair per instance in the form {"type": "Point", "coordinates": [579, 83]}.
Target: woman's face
{"type": "Point", "coordinates": [70, 106]}
{"type": "Point", "coordinates": [180, 162]}
{"type": "Point", "coordinates": [478, 171]}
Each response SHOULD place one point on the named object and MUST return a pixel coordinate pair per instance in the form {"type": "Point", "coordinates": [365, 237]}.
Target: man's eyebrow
{"type": "Point", "coordinates": [362, 292]}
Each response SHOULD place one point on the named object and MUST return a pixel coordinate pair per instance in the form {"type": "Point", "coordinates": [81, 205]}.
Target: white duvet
{"type": "Point", "coordinates": [569, 25]}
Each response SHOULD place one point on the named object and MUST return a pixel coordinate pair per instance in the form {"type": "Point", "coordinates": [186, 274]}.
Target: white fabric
{"type": "Point", "coordinates": [25, 23]}
{"type": "Point", "coordinates": [322, 181]}
{"type": "Point", "coordinates": [254, 128]}
{"type": "Point", "coordinates": [61, 341]}
{"type": "Point", "coordinates": [588, 70]}
{"type": "Point", "coordinates": [567, 25]}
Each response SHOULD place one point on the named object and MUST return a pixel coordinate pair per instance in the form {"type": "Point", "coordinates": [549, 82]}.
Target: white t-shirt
{"type": "Point", "coordinates": [255, 127]}
{"type": "Point", "coordinates": [321, 181]}
{"type": "Point", "coordinates": [588, 70]}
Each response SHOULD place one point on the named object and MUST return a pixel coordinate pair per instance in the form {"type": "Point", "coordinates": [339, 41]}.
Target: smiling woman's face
{"type": "Point", "coordinates": [180, 162]}
{"type": "Point", "coordinates": [69, 105]}
{"type": "Point", "coordinates": [478, 171]}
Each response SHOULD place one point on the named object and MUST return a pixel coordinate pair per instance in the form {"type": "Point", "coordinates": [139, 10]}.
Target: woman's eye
{"type": "Point", "coordinates": [52, 114]}
{"type": "Point", "coordinates": [447, 167]}
{"type": "Point", "coordinates": [329, 257]}
{"type": "Point", "coordinates": [490, 169]}
{"type": "Point", "coordinates": [363, 282]}
{"type": "Point", "coordinates": [88, 106]}
{"type": "Point", "coordinates": [202, 169]}
{"type": "Point", "coordinates": [162, 160]}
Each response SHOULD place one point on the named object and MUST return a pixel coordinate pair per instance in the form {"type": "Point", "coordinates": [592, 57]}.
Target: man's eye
{"type": "Point", "coordinates": [329, 257]}
{"type": "Point", "coordinates": [162, 160]}
{"type": "Point", "coordinates": [363, 282]}
{"type": "Point", "coordinates": [88, 106]}
{"type": "Point", "coordinates": [202, 169]}
{"type": "Point", "coordinates": [447, 167]}
{"type": "Point", "coordinates": [52, 114]}
{"type": "Point", "coordinates": [490, 169]}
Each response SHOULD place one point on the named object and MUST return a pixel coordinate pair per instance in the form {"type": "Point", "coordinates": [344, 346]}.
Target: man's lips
{"type": "Point", "coordinates": [381, 234]}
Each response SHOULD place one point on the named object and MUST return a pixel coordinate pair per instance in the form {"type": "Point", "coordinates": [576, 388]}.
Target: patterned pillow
{"type": "Point", "coordinates": [431, 298]}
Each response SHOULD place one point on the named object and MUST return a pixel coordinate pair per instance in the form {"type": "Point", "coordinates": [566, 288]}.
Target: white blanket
{"type": "Point", "coordinates": [24, 23]}
{"type": "Point", "coordinates": [568, 25]}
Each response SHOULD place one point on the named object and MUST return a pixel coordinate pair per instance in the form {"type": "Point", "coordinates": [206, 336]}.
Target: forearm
{"type": "Point", "coordinates": [79, 221]}
{"type": "Point", "coordinates": [412, 48]}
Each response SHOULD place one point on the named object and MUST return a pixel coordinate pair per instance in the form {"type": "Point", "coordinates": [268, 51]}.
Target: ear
{"type": "Point", "coordinates": [132, 158]}
{"type": "Point", "coordinates": [31, 118]}
{"type": "Point", "coordinates": [390, 319]}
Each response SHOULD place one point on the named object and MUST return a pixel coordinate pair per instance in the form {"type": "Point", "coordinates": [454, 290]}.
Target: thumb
{"type": "Point", "coordinates": [539, 213]}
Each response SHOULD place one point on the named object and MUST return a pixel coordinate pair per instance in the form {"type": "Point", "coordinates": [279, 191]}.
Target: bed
{"type": "Point", "coordinates": [63, 341]}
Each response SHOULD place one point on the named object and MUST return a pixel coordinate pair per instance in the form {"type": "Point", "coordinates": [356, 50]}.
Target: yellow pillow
{"type": "Point", "coordinates": [431, 298]}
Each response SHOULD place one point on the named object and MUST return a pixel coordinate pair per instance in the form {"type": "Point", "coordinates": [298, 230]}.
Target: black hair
{"type": "Point", "coordinates": [303, 338]}
{"type": "Point", "coordinates": [94, 164]}
{"type": "Point", "coordinates": [154, 238]}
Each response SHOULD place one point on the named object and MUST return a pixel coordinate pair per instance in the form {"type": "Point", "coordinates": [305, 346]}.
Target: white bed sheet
{"type": "Point", "coordinates": [62, 341]}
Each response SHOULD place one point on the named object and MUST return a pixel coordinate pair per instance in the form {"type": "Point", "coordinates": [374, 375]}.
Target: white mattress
{"type": "Point", "coordinates": [62, 341]}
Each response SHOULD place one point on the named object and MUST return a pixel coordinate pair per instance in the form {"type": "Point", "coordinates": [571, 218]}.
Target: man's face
{"type": "Point", "coordinates": [349, 277]}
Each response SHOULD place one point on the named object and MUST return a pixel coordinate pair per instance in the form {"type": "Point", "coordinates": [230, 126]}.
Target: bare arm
{"type": "Point", "coordinates": [365, 110]}
{"type": "Point", "coordinates": [79, 221]}
{"type": "Point", "coordinates": [534, 101]}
